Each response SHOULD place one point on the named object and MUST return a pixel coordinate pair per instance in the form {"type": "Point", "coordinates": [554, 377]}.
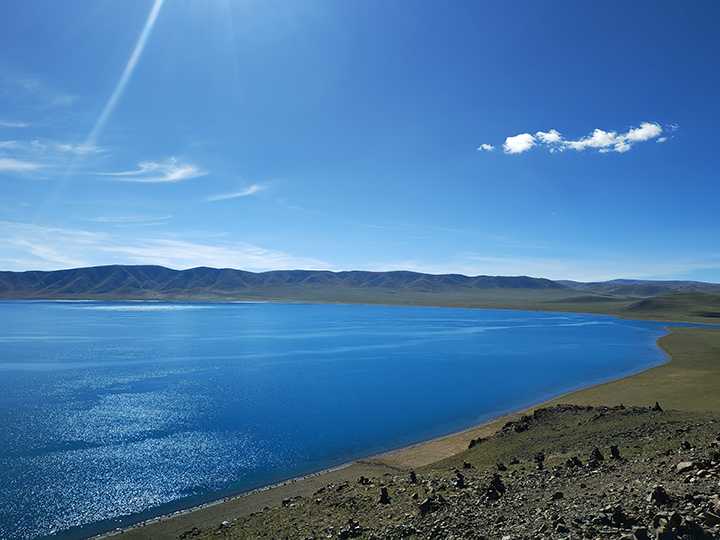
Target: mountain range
{"type": "Point", "coordinates": [157, 283]}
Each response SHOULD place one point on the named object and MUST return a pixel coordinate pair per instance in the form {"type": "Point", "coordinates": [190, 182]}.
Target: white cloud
{"type": "Point", "coordinates": [551, 137]}
{"type": "Point", "coordinates": [486, 147]}
{"type": "Point", "coordinates": [644, 132]}
{"type": "Point", "coordinates": [172, 171]}
{"type": "Point", "coordinates": [598, 139]}
{"type": "Point", "coordinates": [518, 143]}
{"type": "Point", "coordinates": [242, 193]}
{"type": "Point", "coordinates": [612, 142]}
{"type": "Point", "coordinates": [603, 141]}
{"type": "Point", "coordinates": [16, 165]}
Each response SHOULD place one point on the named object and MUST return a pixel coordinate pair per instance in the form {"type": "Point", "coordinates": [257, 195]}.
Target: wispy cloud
{"type": "Point", "coordinates": [28, 155]}
{"type": "Point", "coordinates": [184, 254]}
{"type": "Point", "coordinates": [17, 165]}
{"type": "Point", "coordinates": [82, 148]}
{"type": "Point", "coordinates": [131, 220]}
{"type": "Point", "coordinates": [486, 147]}
{"type": "Point", "coordinates": [603, 141]}
{"type": "Point", "coordinates": [596, 267]}
{"type": "Point", "coordinates": [10, 144]}
{"type": "Point", "coordinates": [31, 91]}
{"type": "Point", "coordinates": [34, 147]}
{"type": "Point", "coordinates": [8, 123]}
{"type": "Point", "coordinates": [37, 247]}
{"type": "Point", "coordinates": [242, 193]}
{"type": "Point", "coordinates": [150, 171]}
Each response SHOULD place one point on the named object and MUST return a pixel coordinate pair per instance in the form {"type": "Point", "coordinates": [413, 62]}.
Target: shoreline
{"type": "Point", "coordinates": [282, 490]}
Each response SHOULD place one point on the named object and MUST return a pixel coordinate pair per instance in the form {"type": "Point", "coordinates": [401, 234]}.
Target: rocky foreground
{"type": "Point", "coordinates": [564, 472]}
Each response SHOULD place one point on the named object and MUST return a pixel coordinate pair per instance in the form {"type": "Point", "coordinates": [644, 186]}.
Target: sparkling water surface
{"type": "Point", "coordinates": [115, 412]}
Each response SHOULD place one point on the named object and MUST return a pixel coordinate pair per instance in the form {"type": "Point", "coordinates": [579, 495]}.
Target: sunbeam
{"type": "Point", "coordinates": [125, 77]}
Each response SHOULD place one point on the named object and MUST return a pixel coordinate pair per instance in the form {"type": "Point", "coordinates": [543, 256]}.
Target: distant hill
{"type": "Point", "coordinates": [696, 303]}
{"type": "Point", "coordinates": [665, 300]}
{"type": "Point", "coordinates": [159, 283]}
{"type": "Point", "coordinates": [642, 288]}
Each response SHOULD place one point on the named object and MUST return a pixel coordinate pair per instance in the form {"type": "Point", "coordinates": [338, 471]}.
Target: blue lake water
{"type": "Point", "coordinates": [114, 412]}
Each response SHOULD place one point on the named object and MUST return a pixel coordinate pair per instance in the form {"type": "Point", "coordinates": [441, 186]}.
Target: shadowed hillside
{"type": "Point", "coordinates": [158, 283]}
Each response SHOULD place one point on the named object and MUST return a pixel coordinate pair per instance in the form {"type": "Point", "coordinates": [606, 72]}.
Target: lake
{"type": "Point", "coordinates": [111, 413]}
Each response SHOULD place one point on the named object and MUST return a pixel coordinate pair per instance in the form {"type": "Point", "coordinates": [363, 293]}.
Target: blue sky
{"type": "Point", "coordinates": [567, 140]}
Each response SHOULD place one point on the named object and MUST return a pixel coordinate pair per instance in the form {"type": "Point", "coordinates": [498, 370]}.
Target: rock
{"type": "Point", "coordinates": [363, 481]}
{"type": "Point", "coordinates": [495, 489]}
{"type": "Point", "coordinates": [573, 462]}
{"type": "Point", "coordinates": [711, 518]}
{"type": "Point", "coordinates": [351, 530]}
{"type": "Point", "coordinates": [539, 459]}
{"type": "Point", "coordinates": [384, 497]}
{"type": "Point", "coordinates": [475, 442]}
{"type": "Point", "coordinates": [557, 495]}
{"type": "Point", "coordinates": [225, 524]}
{"type": "Point", "coordinates": [596, 455]}
{"type": "Point", "coordinates": [640, 533]}
{"type": "Point", "coordinates": [459, 480]}
{"type": "Point", "coordinates": [501, 467]}
{"type": "Point", "coordinates": [684, 466]}
{"type": "Point", "coordinates": [413, 477]}
{"type": "Point", "coordinates": [614, 453]}
{"type": "Point", "coordinates": [468, 465]}
{"type": "Point", "coordinates": [659, 496]}
{"type": "Point", "coordinates": [657, 407]}
{"type": "Point", "coordinates": [431, 504]}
